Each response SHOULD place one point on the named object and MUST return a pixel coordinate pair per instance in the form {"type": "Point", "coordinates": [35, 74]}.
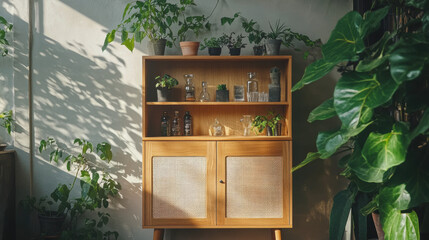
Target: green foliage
{"type": "Point", "coordinates": [221, 87]}
{"type": "Point", "coordinates": [97, 187]}
{"type": "Point", "coordinates": [166, 81]}
{"type": "Point", "coordinates": [153, 19]}
{"type": "Point", "coordinates": [5, 27]}
{"type": "Point", "coordinates": [261, 122]}
{"type": "Point", "coordinates": [229, 20]}
{"type": "Point", "coordinates": [236, 42]}
{"type": "Point", "coordinates": [381, 100]}
{"type": "Point", "coordinates": [6, 120]}
{"type": "Point", "coordinates": [255, 35]}
{"type": "Point", "coordinates": [214, 42]}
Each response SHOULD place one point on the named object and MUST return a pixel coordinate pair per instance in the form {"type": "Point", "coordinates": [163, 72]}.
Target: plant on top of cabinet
{"type": "Point", "coordinates": [214, 45]}
{"type": "Point", "coordinates": [222, 94]}
{"type": "Point", "coordinates": [271, 122]}
{"type": "Point", "coordinates": [274, 37]}
{"type": "Point", "coordinates": [61, 215]}
{"type": "Point", "coordinates": [255, 35]}
{"type": "Point", "coordinates": [163, 86]}
{"type": "Point", "coordinates": [382, 102]}
{"type": "Point", "coordinates": [5, 27]}
{"type": "Point", "coordinates": [192, 25]}
{"type": "Point", "coordinates": [235, 44]}
{"type": "Point", "coordinates": [6, 120]}
{"type": "Point", "coordinates": [152, 19]}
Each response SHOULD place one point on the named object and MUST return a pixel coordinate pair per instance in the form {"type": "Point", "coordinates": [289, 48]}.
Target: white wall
{"type": "Point", "coordinates": [80, 91]}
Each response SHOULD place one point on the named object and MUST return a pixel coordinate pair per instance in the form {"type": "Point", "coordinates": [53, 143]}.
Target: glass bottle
{"type": "Point", "coordinates": [165, 124]}
{"type": "Point", "coordinates": [187, 122]}
{"type": "Point", "coordinates": [247, 124]}
{"type": "Point", "coordinates": [204, 95]}
{"type": "Point", "coordinates": [252, 88]}
{"type": "Point", "coordinates": [175, 125]}
{"type": "Point", "coordinates": [217, 129]}
{"type": "Point", "coordinates": [189, 88]}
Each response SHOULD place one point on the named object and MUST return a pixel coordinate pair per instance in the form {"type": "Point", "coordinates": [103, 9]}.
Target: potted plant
{"type": "Point", "coordinates": [222, 94]}
{"type": "Point", "coordinates": [164, 85]}
{"type": "Point", "coordinates": [235, 44]}
{"type": "Point", "coordinates": [6, 121]}
{"type": "Point", "coordinates": [274, 38]}
{"type": "Point", "coordinates": [381, 100]}
{"type": "Point", "coordinates": [255, 35]}
{"type": "Point", "coordinates": [5, 27]}
{"type": "Point", "coordinates": [152, 19]}
{"type": "Point", "coordinates": [271, 123]}
{"type": "Point", "coordinates": [214, 45]}
{"type": "Point", "coordinates": [195, 25]}
{"type": "Point", "coordinates": [62, 216]}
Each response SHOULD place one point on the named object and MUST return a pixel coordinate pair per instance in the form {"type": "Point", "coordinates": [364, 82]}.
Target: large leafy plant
{"type": "Point", "coordinates": [5, 27]}
{"type": "Point", "coordinates": [151, 18]}
{"type": "Point", "coordinates": [382, 102]}
{"type": "Point", "coordinates": [97, 186]}
{"type": "Point", "coordinates": [6, 120]}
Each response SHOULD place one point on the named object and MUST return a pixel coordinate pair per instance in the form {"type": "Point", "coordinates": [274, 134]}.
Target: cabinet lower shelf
{"type": "Point", "coordinates": [223, 138]}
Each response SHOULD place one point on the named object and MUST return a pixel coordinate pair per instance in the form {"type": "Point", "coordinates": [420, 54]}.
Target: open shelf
{"type": "Point", "coordinates": [216, 103]}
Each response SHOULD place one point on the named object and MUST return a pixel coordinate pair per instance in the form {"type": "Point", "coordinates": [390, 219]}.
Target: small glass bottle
{"type": "Point", "coordinates": [204, 95]}
{"type": "Point", "coordinates": [165, 124]}
{"type": "Point", "coordinates": [252, 88]}
{"type": "Point", "coordinates": [187, 120]}
{"type": "Point", "coordinates": [175, 125]}
{"type": "Point", "coordinates": [189, 88]}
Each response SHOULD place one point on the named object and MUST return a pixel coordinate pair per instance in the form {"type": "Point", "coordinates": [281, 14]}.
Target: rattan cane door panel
{"type": "Point", "coordinates": [254, 184]}
{"type": "Point", "coordinates": [179, 184]}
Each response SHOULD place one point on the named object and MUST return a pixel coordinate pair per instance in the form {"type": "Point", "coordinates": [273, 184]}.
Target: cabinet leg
{"type": "Point", "coordinates": [277, 234]}
{"type": "Point", "coordinates": [158, 234]}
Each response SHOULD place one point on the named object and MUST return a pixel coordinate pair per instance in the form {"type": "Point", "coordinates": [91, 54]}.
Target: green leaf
{"type": "Point", "coordinates": [314, 72]}
{"type": "Point", "coordinates": [397, 225]}
{"type": "Point", "coordinates": [126, 10]}
{"type": "Point", "coordinates": [345, 41]}
{"type": "Point", "coordinates": [356, 91]}
{"type": "Point", "coordinates": [311, 156]}
{"type": "Point", "coordinates": [380, 153]}
{"type": "Point", "coordinates": [360, 221]}
{"type": "Point", "coordinates": [326, 110]}
{"type": "Point", "coordinates": [340, 212]}
{"type": "Point", "coordinates": [85, 187]}
{"type": "Point", "coordinates": [423, 125]}
{"type": "Point", "coordinates": [408, 59]}
{"type": "Point", "coordinates": [129, 43]}
{"type": "Point", "coordinates": [371, 20]}
{"type": "Point", "coordinates": [84, 176]}
{"type": "Point", "coordinates": [422, 4]}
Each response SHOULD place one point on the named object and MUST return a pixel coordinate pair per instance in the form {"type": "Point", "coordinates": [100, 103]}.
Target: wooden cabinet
{"type": "Point", "coordinates": [203, 181]}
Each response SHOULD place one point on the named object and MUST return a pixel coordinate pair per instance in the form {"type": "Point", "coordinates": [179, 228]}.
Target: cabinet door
{"type": "Point", "coordinates": [179, 185]}
{"type": "Point", "coordinates": [254, 184]}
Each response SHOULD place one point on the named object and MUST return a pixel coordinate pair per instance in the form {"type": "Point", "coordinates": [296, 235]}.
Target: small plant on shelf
{"type": "Point", "coordinates": [166, 81]}
{"type": "Point", "coordinates": [222, 93]}
{"type": "Point", "coordinates": [255, 35]}
{"type": "Point", "coordinates": [235, 44]}
{"type": "Point", "coordinates": [73, 216]}
{"type": "Point", "coordinates": [214, 44]}
{"type": "Point", "coordinates": [271, 122]}
{"type": "Point", "coordinates": [164, 85]}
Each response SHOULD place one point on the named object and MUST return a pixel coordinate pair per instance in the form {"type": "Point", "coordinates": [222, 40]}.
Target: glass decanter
{"type": "Point", "coordinates": [247, 124]}
{"type": "Point", "coordinates": [252, 87]}
{"type": "Point", "coordinates": [204, 95]}
{"type": "Point", "coordinates": [175, 125]}
{"type": "Point", "coordinates": [217, 129]}
{"type": "Point", "coordinates": [189, 88]}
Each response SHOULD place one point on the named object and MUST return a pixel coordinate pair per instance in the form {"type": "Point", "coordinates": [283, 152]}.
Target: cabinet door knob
{"type": "Point", "coordinates": [221, 181]}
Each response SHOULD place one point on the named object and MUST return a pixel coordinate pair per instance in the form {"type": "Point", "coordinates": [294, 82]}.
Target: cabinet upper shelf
{"type": "Point", "coordinates": [217, 58]}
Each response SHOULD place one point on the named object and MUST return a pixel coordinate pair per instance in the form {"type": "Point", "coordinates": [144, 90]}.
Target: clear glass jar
{"type": "Point", "coordinates": [204, 95]}
{"type": "Point", "coordinates": [189, 88]}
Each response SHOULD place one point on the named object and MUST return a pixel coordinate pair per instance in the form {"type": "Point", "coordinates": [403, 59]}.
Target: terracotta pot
{"type": "Point", "coordinates": [378, 228]}
{"type": "Point", "coordinates": [189, 48]}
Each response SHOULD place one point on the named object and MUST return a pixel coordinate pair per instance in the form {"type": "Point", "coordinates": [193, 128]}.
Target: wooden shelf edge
{"type": "Point", "coordinates": [218, 227]}
{"type": "Point", "coordinates": [223, 138]}
{"type": "Point", "coordinates": [223, 58]}
{"type": "Point", "coordinates": [216, 103]}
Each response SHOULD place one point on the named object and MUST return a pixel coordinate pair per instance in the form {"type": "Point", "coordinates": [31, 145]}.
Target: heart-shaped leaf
{"type": "Point", "coordinates": [326, 110]}
{"type": "Point", "coordinates": [371, 20]}
{"type": "Point", "coordinates": [314, 72]}
{"type": "Point", "coordinates": [397, 225]}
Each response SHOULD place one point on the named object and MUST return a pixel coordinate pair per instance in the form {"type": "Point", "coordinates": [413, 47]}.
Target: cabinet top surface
{"type": "Point", "coordinates": [218, 58]}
